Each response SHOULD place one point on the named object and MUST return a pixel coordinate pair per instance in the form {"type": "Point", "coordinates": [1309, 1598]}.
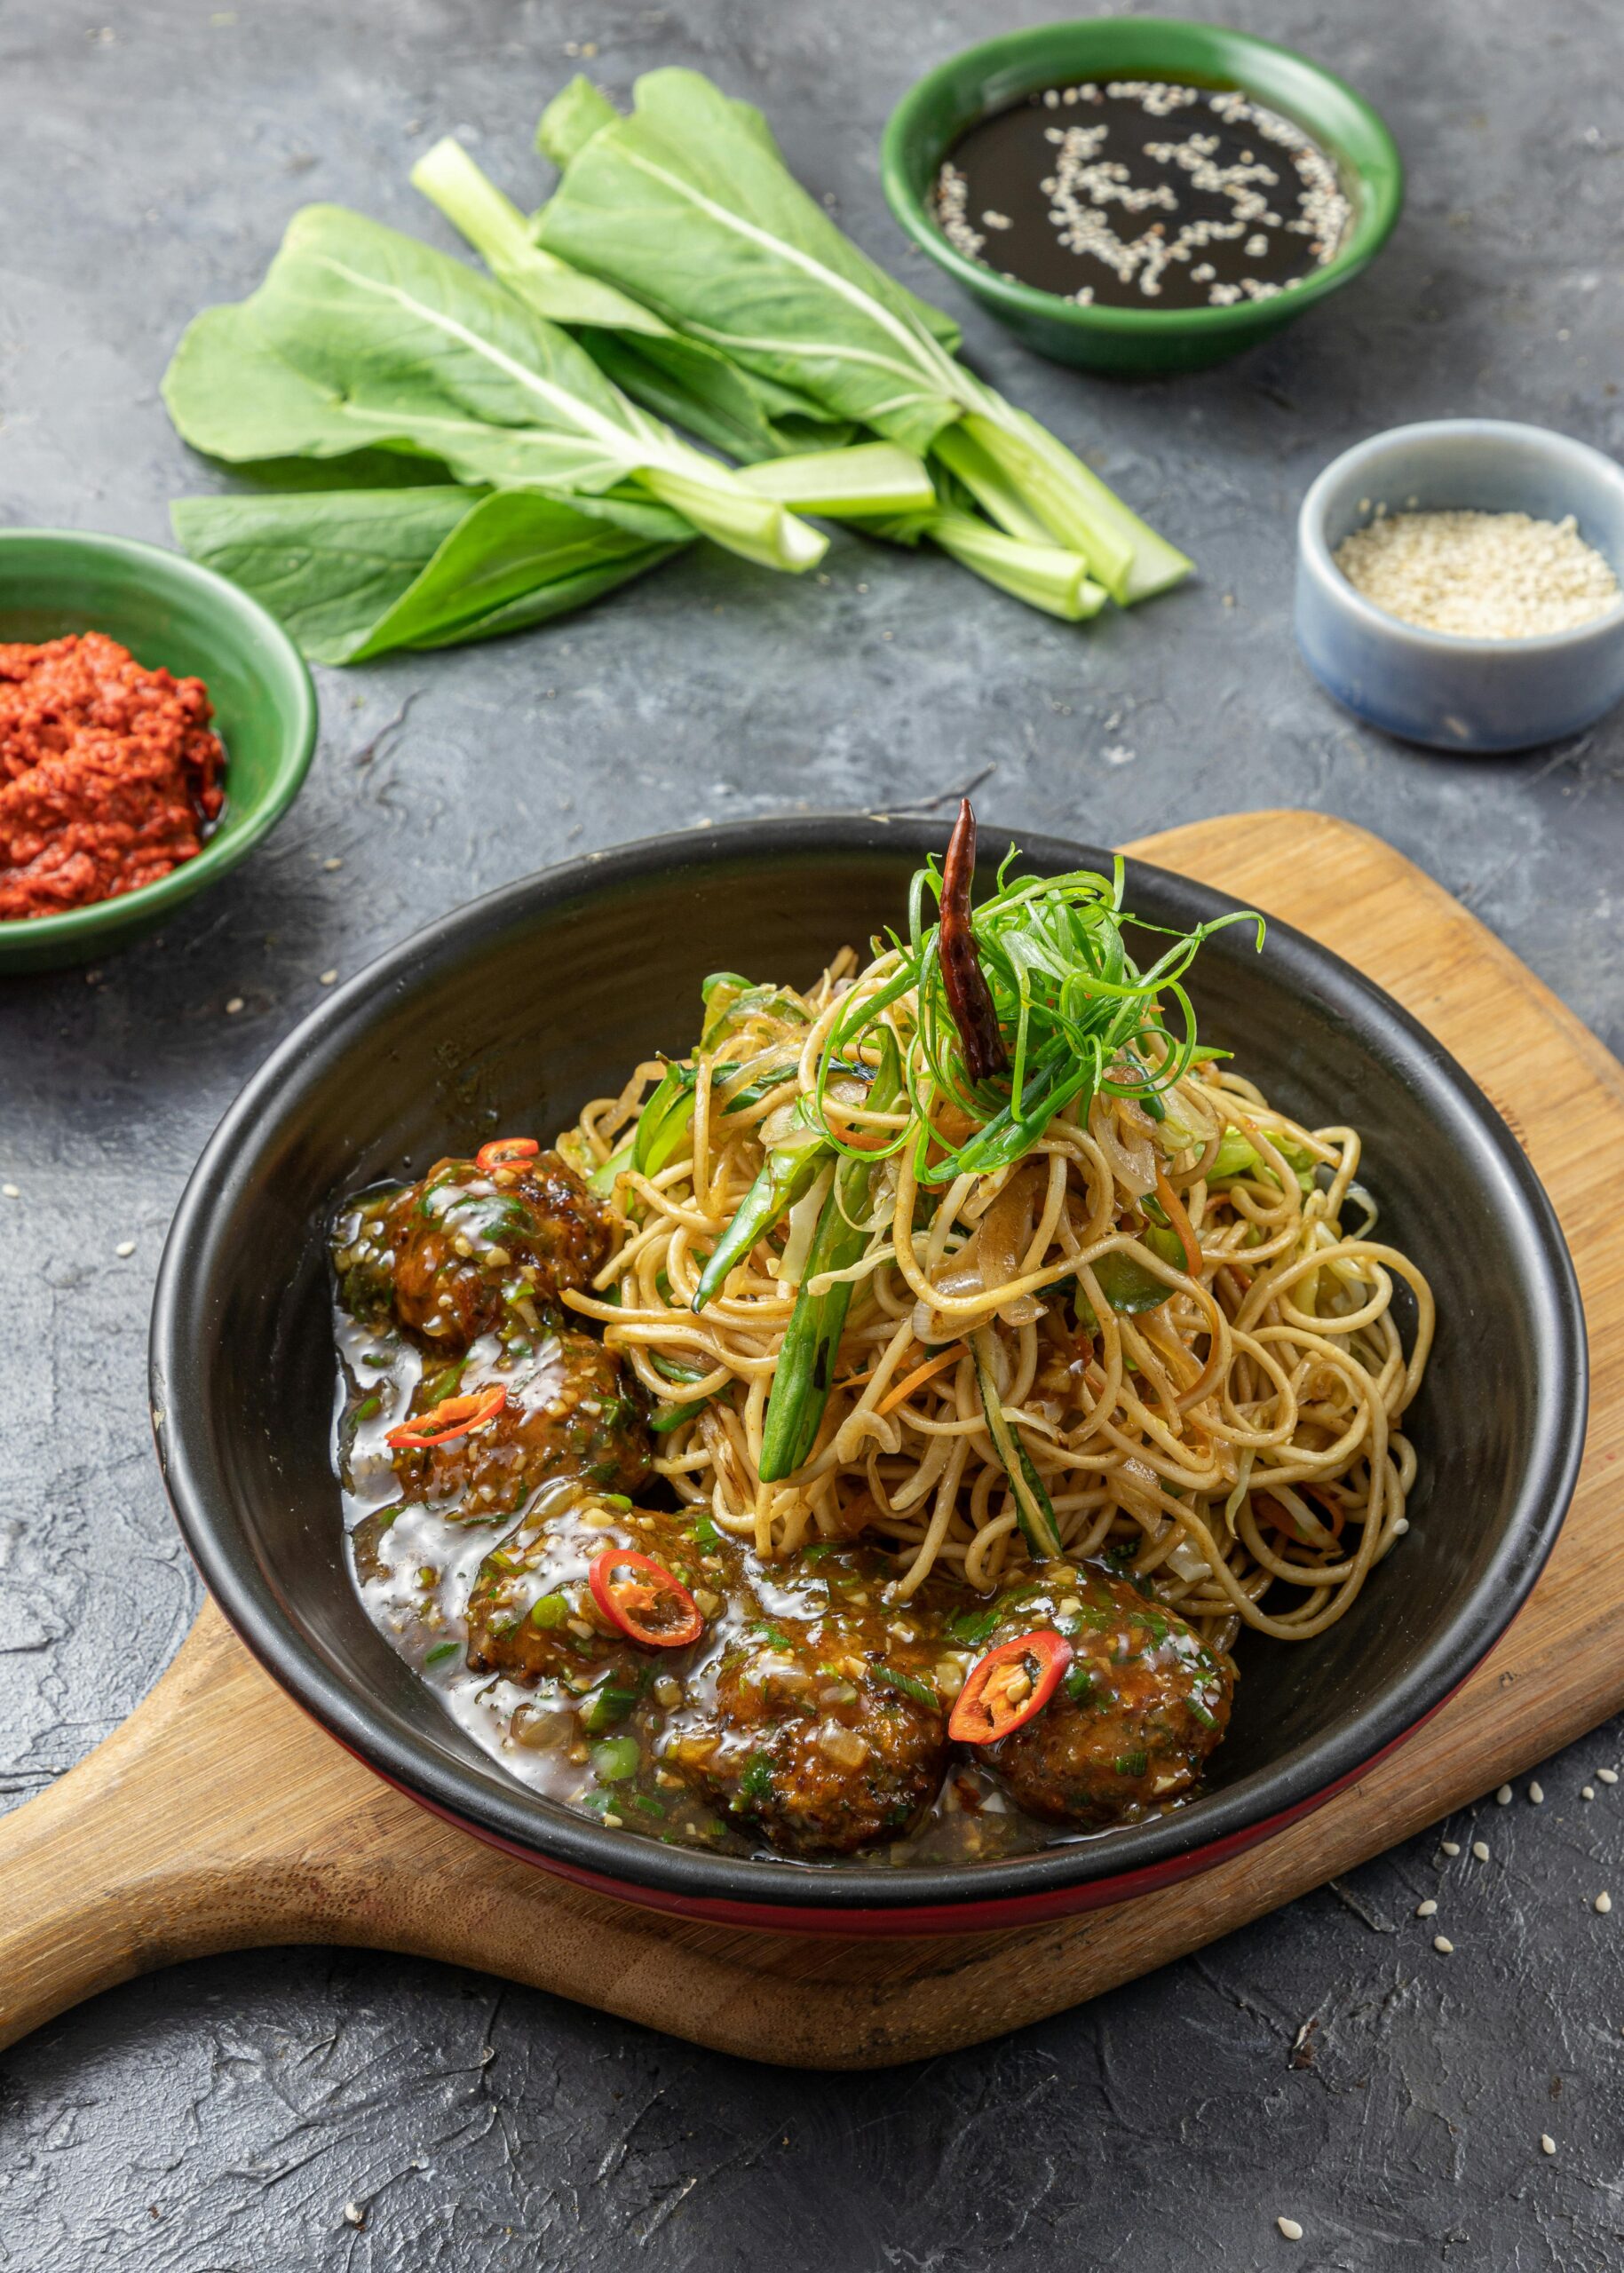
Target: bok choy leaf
{"type": "Point", "coordinates": [354, 574]}
{"type": "Point", "coordinates": [360, 337]}
{"type": "Point", "coordinates": [681, 380]}
{"type": "Point", "coordinates": [687, 206]}
{"type": "Point", "coordinates": [744, 413]}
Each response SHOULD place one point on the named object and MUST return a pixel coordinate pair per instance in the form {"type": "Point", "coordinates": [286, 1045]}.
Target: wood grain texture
{"type": "Point", "coordinates": [219, 1818]}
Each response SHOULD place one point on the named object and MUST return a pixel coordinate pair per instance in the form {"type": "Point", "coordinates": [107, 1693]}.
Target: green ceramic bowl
{"type": "Point", "coordinates": [930, 119]}
{"type": "Point", "coordinates": [168, 611]}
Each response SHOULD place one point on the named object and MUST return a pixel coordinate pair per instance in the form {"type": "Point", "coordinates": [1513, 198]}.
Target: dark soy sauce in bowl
{"type": "Point", "coordinates": [1142, 194]}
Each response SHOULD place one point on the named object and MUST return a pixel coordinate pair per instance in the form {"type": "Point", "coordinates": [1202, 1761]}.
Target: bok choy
{"type": "Point", "coordinates": [353, 573]}
{"type": "Point", "coordinates": [687, 206]}
{"type": "Point", "coordinates": [482, 453]}
{"type": "Point", "coordinates": [681, 380]}
{"type": "Point", "coordinates": [697, 386]}
{"type": "Point", "coordinates": [360, 337]}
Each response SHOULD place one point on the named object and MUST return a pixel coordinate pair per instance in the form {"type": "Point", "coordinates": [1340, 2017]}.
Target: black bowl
{"type": "Point", "coordinates": [516, 1009]}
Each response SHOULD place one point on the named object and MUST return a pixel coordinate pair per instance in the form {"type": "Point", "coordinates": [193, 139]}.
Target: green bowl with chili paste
{"type": "Point", "coordinates": [172, 614]}
{"type": "Point", "coordinates": [983, 81]}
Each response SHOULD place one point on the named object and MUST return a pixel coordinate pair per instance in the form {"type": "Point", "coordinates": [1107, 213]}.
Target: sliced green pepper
{"type": "Point", "coordinates": [805, 1371]}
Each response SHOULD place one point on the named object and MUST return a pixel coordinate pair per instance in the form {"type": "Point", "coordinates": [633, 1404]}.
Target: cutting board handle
{"type": "Point", "coordinates": [102, 1878]}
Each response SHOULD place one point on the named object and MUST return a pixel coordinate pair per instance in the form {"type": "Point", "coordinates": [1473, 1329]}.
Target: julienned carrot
{"type": "Point", "coordinates": [904, 1389]}
{"type": "Point", "coordinates": [1173, 1208]}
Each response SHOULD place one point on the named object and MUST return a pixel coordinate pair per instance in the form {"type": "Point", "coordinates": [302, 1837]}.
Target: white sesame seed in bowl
{"type": "Point", "coordinates": [1458, 583]}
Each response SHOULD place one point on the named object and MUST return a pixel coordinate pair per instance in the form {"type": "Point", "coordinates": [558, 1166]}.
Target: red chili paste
{"type": "Point", "coordinates": [108, 773]}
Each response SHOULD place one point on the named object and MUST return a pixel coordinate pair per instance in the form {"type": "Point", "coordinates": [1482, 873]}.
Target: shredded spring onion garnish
{"type": "Point", "coordinates": [1099, 1302]}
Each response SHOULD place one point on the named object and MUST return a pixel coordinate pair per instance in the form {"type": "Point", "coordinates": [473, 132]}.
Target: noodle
{"type": "Point", "coordinates": [1235, 1433]}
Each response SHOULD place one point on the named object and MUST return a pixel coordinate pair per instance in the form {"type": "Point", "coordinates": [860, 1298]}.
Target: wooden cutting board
{"type": "Point", "coordinates": [219, 1818]}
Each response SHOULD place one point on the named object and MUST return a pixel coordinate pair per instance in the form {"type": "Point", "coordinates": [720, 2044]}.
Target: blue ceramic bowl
{"type": "Point", "coordinates": [1432, 686]}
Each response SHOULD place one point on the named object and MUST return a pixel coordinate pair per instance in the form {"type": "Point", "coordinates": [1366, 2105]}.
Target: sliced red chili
{"type": "Point", "coordinates": [970, 998]}
{"type": "Point", "coordinates": [452, 1417]}
{"type": "Point", "coordinates": [504, 1151]}
{"type": "Point", "coordinates": [642, 1599]}
{"type": "Point", "coordinates": [1004, 1689]}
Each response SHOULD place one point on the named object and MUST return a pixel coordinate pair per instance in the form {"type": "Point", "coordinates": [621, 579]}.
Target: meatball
{"type": "Point", "coordinates": [533, 1617]}
{"type": "Point", "coordinates": [570, 1412]}
{"type": "Point", "coordinates": [824, 1727]}
{"type": "Point", "coordinates": [469, 1250]}
{"type": "Point", "coordinates": [535, 1621]}
{"type": "Point", "coordinates": [1142, 1704]}
{"type": "Point", "coordinates": [824, 1773]}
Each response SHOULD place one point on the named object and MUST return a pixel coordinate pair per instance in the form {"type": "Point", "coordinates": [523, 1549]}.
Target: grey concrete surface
{"type": "Point", "coordinates": [221, 2116]}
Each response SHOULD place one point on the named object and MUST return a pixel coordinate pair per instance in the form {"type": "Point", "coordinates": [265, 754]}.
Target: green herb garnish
{"type": "Point", "coordinates": [919, 1691]}
{"type": "Point", "coordinates": [755, 1784]}
{"type": "Point", "coordinates": [672, 1416]}
{"type": "Point", "coordinates": [606, 1705]}
{"type": "Point", "coordinates": [972, 1626]}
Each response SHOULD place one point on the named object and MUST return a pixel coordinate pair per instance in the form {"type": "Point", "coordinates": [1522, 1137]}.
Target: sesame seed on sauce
{"type": "Point", "coordinates": [1480, 1848]}
{"type": "Point", "coordinates": [1502, 1797]}
{"type": "Point", "coordinates": [1442, 1944]}
{"type": "Point", "coordinates": [1290, 2228]}
{"type": "Point", "coordinates": [1606, 1775]}
{"type": "Point", "coordinates": [1150, 191]}
{"type": "Point", "coordinates": [1536, 1793]}
{"type": "Point", "coordinates": [1452, 1847]}
{"type": "Point", "coordinates": [1428, 1909]}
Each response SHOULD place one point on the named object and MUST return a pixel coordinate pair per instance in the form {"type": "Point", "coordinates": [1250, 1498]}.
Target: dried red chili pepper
{"type": "Point", "coordinates": [650, 1605]}
{"type": "Point", "coordinates": [1004, 1689]}
{"type": "Point", "coordinates": [970, 998]}
{"type": "Point", "coordinates": [452, 1417]}
{"type": "Point", "coordinates": [504, 1151]}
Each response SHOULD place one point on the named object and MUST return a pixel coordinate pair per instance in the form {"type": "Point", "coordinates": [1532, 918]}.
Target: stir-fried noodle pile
{"type": "Point", "coordinates": [1107, 1301]}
